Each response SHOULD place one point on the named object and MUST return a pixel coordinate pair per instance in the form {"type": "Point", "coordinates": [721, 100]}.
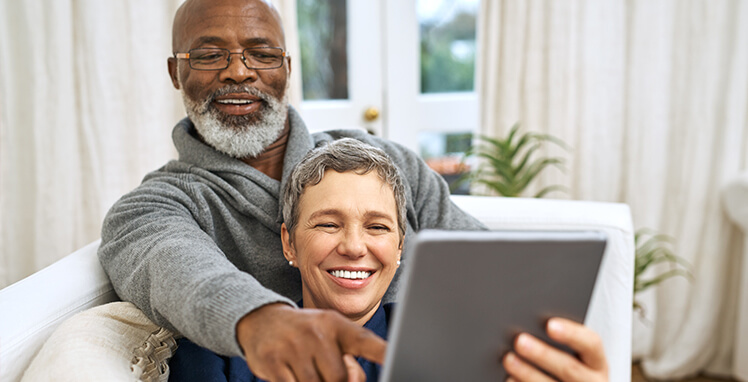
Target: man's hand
{"type": "Point", "coordinates": [286, 344]}
{"type": "Point", "coordinates": [535, 355]}
{"type": "Point", "coordinates": [355, 372]}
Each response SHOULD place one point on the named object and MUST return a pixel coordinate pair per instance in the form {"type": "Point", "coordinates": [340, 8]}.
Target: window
{"type": "Point", "coordinates": [401, 69]}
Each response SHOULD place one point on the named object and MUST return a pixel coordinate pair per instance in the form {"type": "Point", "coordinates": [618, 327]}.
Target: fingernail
{"type": "Point", "coordinates": [525, 342]}
{"type": "Point", "coordinates": [511, 359]}
{"type": "Point", "coordinates": [555, 326]}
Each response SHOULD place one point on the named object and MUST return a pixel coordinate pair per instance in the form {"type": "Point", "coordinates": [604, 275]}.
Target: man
{"type": "Point", "coordinates": [197, 245]}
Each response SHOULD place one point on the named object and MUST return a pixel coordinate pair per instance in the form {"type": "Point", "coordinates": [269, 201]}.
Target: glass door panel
{"type": "Point", "coordinates": [341, 64]}
{"type": "Point", "coordinates": [447, 42]}
{"type": "Point", "coordinates": [323, 40]}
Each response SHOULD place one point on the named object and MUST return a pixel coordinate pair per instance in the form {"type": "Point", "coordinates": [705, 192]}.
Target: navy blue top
{"type": "Point", "coordinates": [194, 363]}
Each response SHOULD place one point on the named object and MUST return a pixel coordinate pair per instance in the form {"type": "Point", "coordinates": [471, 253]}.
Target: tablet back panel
{"type": "Point", "coordinates": [467, 295]}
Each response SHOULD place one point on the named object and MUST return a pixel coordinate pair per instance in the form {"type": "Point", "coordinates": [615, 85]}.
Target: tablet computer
{"type": "Point", "coordinates": [466, 295]}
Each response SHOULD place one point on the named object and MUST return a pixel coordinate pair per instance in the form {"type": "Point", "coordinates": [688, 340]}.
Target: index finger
{"type": "Point", "coordinates": [362, 342]}
{"type": "Point", "coordinates": [581, 339]}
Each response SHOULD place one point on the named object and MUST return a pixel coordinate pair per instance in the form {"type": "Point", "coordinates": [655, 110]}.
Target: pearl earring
{"type": "Point", "coordinates": [398, 262]}
{"type": "Point", "coordinates": [290, 263]}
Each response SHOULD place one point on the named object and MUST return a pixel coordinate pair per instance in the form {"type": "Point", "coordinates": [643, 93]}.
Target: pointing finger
{"type": "Point", "coordinates": [363, 342]}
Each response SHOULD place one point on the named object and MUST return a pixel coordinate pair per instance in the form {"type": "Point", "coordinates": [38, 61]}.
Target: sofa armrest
{"type": "Point", "coordinates": [610, 310]}
{"type": "Point", "coordinates": [33, 307]}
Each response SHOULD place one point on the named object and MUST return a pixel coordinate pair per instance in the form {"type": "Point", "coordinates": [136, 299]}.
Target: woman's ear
{"type": "Point", "coordinates": [288, 252]}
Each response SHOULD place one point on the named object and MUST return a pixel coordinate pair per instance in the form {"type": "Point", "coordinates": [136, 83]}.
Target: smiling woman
{"type": "Point", "coordinates": [343, 228]}
{"type": "Point", "coordinates": [344, 223]}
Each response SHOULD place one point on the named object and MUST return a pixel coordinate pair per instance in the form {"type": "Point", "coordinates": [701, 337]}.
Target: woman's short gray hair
{"type": "Point", "coordinates": [342, 155]}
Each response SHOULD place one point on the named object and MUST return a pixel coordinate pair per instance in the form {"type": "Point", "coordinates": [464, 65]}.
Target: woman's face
{"type": "Point", "coordinates": [346, 243]}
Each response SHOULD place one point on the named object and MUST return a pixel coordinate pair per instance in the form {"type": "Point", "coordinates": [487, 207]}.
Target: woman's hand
{"type": "Point", "coordinates": [535, 355]}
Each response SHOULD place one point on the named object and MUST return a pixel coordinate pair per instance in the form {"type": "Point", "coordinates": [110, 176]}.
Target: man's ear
{"type": "Point", "coordinates": [172, 63]}
{"type": "Point", "coordinates": [288, 251]}
{"type": "Point", "coordinates": [289, 66]}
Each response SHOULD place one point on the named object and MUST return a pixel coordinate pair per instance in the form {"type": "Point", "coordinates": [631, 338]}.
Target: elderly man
{"type": "Point", "coordinates": [197, 245]}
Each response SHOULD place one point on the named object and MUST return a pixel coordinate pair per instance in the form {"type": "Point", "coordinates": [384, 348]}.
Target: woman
{"type": "Point", "coordinates": [344, 223]}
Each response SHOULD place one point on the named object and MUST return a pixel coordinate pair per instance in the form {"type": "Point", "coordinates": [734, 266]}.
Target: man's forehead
{"type": "Point", "coordinates": [211, 7]}
{"type": "Point", "coordinates": [195, 15]}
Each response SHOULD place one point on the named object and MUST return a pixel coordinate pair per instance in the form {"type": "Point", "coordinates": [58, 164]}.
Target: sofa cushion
{"type": "Point", "coordinates": [112, 342]}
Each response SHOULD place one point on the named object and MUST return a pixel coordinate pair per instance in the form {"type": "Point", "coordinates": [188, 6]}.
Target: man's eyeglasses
{"type": "Point", "coordinates": [218, 59]}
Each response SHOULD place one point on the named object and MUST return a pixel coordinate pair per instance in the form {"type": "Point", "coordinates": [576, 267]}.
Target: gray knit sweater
{"type": "Point", "coordinates": [197, 245]}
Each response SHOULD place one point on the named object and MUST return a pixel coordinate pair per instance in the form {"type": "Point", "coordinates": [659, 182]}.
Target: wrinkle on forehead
{"type": "Point", "coordinates": [194, 11]}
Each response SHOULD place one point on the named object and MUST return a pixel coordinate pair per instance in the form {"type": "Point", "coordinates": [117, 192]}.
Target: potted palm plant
{"type": "Point", "coordinates": [508, 165]}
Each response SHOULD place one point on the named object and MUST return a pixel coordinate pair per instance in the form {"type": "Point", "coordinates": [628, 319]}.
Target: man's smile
{"type": "Point", "coordinates": [235, 101]}
{"type": "Point", "coordinates": [238, 103]}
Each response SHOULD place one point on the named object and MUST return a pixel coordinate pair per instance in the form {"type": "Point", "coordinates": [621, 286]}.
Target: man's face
{"type": "Point", "coordinates": [236, 110]}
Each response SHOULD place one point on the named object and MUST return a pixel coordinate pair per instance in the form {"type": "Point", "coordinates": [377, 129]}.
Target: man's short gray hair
{"type": "Point", "coordinates": [342, 155]}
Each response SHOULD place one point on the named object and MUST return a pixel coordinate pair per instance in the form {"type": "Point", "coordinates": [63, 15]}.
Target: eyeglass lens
{"type": "Point", "coordinates": [254, 58]}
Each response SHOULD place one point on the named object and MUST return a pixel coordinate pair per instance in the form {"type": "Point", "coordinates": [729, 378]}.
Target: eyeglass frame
{"type": "Point", "coordinates": [186, 56]}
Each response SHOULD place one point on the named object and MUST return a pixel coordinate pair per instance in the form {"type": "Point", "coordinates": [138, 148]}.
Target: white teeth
{"type": "Point", "coordinates": [235, 101]}
{"type": "Point", "coordinates": [353, 275]}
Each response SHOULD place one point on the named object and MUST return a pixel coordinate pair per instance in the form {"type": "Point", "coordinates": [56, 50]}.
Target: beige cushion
{"type": "Point", "coordinates": [112, 342]}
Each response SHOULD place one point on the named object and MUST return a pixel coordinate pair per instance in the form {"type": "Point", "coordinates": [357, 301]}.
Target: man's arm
{"type": "Point", "coordinates": [158, 257]}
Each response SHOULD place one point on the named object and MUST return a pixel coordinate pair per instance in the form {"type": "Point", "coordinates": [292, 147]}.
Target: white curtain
{"type": "Point", "coordinates": [86, 110]}
{"type": "Point", "coordinates": [652, 96]}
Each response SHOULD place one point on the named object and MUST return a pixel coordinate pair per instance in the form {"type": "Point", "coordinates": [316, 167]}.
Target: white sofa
{"type": "Point", "coordinates": [32, 308]}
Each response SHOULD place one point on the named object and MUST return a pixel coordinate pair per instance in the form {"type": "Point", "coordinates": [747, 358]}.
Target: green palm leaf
{"type": "Point", "coordinates": [510, 164]}
{"type": "Point", "coordinates": [653, 248]}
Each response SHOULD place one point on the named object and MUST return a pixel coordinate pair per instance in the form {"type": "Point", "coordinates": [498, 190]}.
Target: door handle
{"type": "Point", "coordinates": [371, 114]}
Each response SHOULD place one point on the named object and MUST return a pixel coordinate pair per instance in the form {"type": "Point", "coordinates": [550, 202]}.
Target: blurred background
{"type": "Point", "coordinates": [648, 97]}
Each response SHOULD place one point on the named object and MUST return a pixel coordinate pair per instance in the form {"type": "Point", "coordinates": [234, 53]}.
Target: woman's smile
{"type": "Point", "coordinates": [350, 279]}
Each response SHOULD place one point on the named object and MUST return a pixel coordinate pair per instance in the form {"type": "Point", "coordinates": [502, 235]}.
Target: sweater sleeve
{"type": "Point", "coordinates": [159, 257]}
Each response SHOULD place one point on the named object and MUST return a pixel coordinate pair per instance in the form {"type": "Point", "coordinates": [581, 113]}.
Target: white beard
{"type": "Point", "coordinates": [238, 136]}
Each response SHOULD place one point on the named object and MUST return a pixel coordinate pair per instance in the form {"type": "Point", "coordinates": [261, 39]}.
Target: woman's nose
{"type": "Point", "coordinates": [352, 244]}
